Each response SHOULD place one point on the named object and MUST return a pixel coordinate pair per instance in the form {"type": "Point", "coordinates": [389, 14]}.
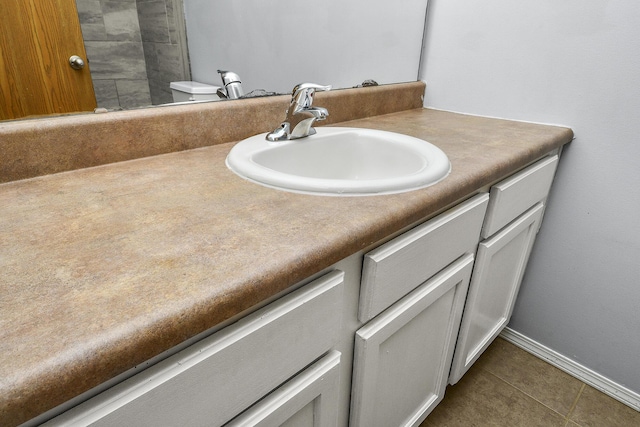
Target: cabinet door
{"type": "Point", "coordinates": [497, 274]}
{"type": "Point", "coordinates": [403, 356]}
{"type": "Point", "coordinates": [309, 399]}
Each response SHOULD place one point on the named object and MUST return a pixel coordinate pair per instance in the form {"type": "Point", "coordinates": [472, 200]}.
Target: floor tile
{"type": "Point", "coordinates": [596, 409]}
{"type": "Point", "coordinates": [482, 399]}
{"type": "Point", "coordinates": [531, 375]}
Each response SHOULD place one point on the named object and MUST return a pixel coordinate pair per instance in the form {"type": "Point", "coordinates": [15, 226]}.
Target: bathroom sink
{"type": "Point", "coordinates": [341, 161]}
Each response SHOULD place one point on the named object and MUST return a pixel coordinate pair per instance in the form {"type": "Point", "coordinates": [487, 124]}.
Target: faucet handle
{"type": "Point", "coordinates": [302, 94]}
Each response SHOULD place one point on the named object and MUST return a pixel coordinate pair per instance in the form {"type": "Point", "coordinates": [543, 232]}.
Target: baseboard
{"type": "Point", "coordinates": [584, 374]}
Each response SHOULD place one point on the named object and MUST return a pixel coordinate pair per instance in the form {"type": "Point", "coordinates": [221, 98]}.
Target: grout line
{"type": "Point", "coordinates": [485, 368]}
{"type": "Point", "coordinates": [527, 395]}
{"type": "Point", "coordinates": [575, 403]}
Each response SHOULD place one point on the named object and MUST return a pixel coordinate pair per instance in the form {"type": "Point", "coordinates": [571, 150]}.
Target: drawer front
{"type": "Point", "coordinates": [402, 264]}
{"type": "Point", "coordinates": [513, 196]}
{"type": "Point", "coordinates": [215, 379]}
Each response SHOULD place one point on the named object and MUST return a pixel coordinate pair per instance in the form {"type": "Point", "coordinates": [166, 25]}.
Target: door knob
{"type": "Point", "coordinates": [76, 62]}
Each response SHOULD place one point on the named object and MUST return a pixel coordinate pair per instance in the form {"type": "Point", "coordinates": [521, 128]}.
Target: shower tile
{"type": "Point", "coordinates": [91, 20]}
{"type": "Point", "coordinates": [121, 20]}
{"type": "Point", "coordinates": [116, 60]}
{"type": "Point", "coordinates": [172, 25]}
{"type": "Point", "coordinates": [133, 93]}
{"type": "Point", "coordinates": [164, 62]}
{"type": "Point", "coordinates": [106, 93]}
{"type": "Point", "coordinates": [160, 92]}
{"type": "Point", "coordinates": [151, 58]}
{"type": "Point", "coordinates": [153, 21]}
{"type": "Point", "coordinates": [170, 63]}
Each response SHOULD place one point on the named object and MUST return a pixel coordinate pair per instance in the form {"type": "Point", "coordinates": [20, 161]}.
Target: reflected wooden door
{"type": "Point", "coordinates": [37, 38]}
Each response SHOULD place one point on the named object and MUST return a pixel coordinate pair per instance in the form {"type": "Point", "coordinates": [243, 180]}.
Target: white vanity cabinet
{"type": "Point", "coordinates": [513, 218]}
{"type": "Point", "coordinates": [403, 355]}
{"type": "Point", "coordinates": [217, 378]}
{"type": "Point", "coordinates": [388, 320]}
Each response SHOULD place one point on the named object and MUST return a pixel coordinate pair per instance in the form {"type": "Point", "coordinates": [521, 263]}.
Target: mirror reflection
{"type": "Point", "coordinates": [138, 49]}
{"type": "Point", "coordinates": [135, 49]}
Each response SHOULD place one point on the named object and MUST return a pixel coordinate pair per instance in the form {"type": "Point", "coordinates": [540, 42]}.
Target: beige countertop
{"type": "Point", "coordinates": [106, 267]}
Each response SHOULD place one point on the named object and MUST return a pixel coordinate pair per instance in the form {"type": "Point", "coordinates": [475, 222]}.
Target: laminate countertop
{"type": "Point", "coordinates": [104, 268]}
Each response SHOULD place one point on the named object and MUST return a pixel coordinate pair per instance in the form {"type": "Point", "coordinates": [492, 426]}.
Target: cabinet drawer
{"type": "Point", "coordinates": [400, 265]}
{"type": "Point", "coordinates": [516, 194]}
{"type": "Point", "coordinates": [215, 379]}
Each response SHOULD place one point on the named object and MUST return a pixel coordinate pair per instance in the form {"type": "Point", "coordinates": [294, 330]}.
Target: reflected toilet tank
{"type": "Point", "coordinates": [193, 91]}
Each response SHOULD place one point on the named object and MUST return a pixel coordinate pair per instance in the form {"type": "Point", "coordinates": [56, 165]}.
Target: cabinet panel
{"type": "Point", "coordinates": [400, 265]}
{"type": "Point", "coordinates": [309, 399]}
{"type": "Point", "coordinates": [403, 356]}
{"type": "Point", "coordinates": [518, 193]}
{"type": "Point", "coordinates": [215, 379]}
{"type": "Point", "coordinates": [497, 274]}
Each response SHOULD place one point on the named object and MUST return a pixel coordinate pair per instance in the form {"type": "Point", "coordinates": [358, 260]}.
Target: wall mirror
{"type": "Point", "coordinates": [136, 48]}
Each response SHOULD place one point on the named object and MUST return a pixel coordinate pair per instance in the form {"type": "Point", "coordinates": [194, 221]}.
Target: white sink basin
{"type": "Point", "coordinates": [341, 161]}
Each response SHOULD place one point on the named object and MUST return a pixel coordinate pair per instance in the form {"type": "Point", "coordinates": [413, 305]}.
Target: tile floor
{"type": "Point", "coordinates": [512, 388]}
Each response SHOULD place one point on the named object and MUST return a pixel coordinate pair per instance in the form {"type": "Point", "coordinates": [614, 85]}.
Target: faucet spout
{"type": "Point", "coordinates": [301, 114]}
{"type": "Point", "coordinates": [232, 84]}
{"type": "Point", "coordinates": [320, 113]}
{"type": "Point", "coordinates": [304, 120]}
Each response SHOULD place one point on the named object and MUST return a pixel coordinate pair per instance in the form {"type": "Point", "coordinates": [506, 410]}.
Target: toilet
{"type": "Point", "coordinates": [193, 91]}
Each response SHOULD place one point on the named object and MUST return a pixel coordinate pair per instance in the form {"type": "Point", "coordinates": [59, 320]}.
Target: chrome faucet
{"type": "Point", "coordinates": [232, 85]}
{"type": "Point", "coordinates": [301, 114]}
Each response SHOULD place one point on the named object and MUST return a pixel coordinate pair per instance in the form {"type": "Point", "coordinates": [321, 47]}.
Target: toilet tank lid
{"type": "Point", "coordinates": [194, 88]}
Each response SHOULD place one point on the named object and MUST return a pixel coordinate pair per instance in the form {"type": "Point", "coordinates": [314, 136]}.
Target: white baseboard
{"type": "Point", "coordinates": [584, 374]}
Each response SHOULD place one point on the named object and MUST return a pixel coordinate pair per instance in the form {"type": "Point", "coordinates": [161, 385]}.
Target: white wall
{"type": "Point", "coordinates": [276, 44]}
{"type": "Point", "coordinates": [576, 63]}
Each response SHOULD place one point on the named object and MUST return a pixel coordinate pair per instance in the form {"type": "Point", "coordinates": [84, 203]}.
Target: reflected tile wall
{"type": "Point", "coordinates": [162, 48]}
{"type": "Point", "coordinates": [116, 60]}
{"type": "Point", "coordinates": [134, 50]}
{"type": "Point", "coordinates": [115, 52]}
